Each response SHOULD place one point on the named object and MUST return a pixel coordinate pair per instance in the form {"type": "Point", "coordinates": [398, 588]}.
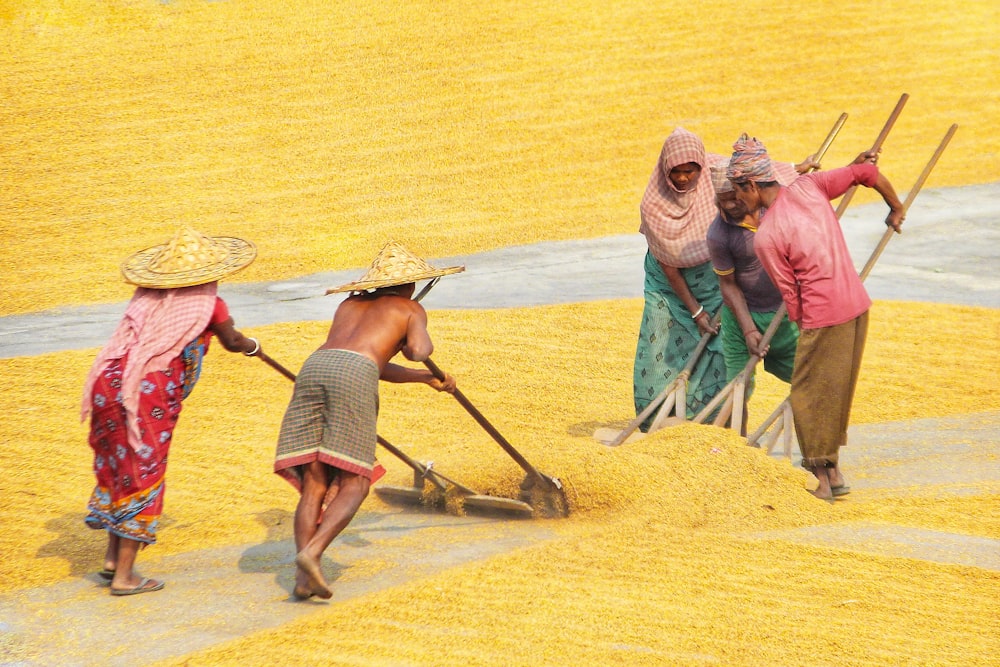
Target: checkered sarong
{"type": "Point", "coordinates": [331, 417]}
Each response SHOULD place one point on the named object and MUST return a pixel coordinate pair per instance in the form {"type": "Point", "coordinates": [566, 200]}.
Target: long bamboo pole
{"type": "Point", "coordinates": [876, 147]}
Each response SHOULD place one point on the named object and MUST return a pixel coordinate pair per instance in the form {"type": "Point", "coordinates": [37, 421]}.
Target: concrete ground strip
{"type": "Point", "coordinates": [215, 595]}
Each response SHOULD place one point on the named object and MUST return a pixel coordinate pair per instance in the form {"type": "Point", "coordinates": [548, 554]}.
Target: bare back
{"type": "Point", "coordinates": [379, 326]}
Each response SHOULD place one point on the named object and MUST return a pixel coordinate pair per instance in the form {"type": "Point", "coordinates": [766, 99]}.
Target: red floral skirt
{"type": "Point", "coordinates": [128, 497]}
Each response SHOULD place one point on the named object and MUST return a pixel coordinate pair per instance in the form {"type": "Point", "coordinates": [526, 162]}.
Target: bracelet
{"type": "Point", "coordinates": [749, 331]}
{"type": "Point", "coordinates": [256, 347]}
{"type": "Point", "coordinates": [701, 309]}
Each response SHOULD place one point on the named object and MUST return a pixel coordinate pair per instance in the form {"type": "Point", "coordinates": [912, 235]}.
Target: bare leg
{"type": "Point", "coordinates": [111, 554]}
{"type": "Point", "coordinates": [125, 576]}
{"type": "Point", "coordinates": [340, 511]}
{"type": "Point", "coordinates": [315, 485]}
{"type": "Point", "coordinates": [823, 491]}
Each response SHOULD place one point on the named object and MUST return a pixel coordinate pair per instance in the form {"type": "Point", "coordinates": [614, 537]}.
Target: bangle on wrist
{"type": "Point", "coordinates": [697, 314]}
{"type": "Point", "coordinates": [748, 332]}
{"type": "Point", "coordinates": [256, 347]}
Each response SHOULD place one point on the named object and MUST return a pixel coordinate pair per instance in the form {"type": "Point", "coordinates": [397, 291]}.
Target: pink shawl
{"type": "Point", "coordinates": [156, 327]}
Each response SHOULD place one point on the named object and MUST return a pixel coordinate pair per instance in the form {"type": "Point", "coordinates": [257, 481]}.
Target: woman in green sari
{"type": "Point", "coordinates": [681, 290]}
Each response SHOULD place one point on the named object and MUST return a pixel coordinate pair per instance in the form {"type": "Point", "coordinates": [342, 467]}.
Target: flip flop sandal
{"type": "Point", "coordinates": [840, 490]}
{"type": "Point", "coordinates": [141, 588]}
{"type": "Point", "coordinates": [106, 574]}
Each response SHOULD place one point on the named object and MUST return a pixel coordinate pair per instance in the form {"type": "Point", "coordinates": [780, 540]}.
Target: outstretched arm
{"type": "Point", "coordinates": [233, 340]}
{"type": "Point", "coordinates": [399, 374]}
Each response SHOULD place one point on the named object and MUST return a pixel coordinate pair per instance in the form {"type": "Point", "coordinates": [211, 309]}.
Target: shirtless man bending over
{"type": "Point", "coordinates": [326, 448]}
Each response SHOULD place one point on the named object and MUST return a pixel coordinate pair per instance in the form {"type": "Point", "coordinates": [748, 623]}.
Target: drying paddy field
{"type": "Point", "coordinates": [319, 131]}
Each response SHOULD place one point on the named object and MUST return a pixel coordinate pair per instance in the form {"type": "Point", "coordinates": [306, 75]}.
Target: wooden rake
{"type": "Point", "coordinates": [415, 494]}
{"type": "Point", "coordinates": [673, 398]}
{"type": "Point", "coordinates": [546, 494]}
{"type": "Point", "coordinates": [784, 409]}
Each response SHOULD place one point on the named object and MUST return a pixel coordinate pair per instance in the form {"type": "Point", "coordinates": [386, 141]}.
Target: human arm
{"type": "Point", "coordinates": [864, 172]}
{"type": "Point", "coordinates": [400, 374]}
{"type": "Point", "coordinates": [702, 317]}
{"type": "Point", "coordinates": [418, 345]}
{"type": "Point", "coordinates": [232, 339]}
{"type": "Point", "coordinates": [896, 213]}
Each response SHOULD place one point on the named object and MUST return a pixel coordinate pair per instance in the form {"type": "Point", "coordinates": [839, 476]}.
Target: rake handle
{"type": "Point", "coordinates": [846, 199]}
{"type": "Point", "coordinates": [487, 426]}
{"type": "Point", "coordinates": [829, 138]}
{"type": "Point", "coordinates": [911, 195]}
{"type": "Point", "coordinates": [276, 366]}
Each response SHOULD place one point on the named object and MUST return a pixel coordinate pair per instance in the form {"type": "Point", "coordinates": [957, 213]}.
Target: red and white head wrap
{"type": "Point", "coordinates": [750, 162]}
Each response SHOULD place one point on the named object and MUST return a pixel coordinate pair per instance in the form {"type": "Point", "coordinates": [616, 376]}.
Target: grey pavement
{"type": "Point", "coordinates": [948, 253]}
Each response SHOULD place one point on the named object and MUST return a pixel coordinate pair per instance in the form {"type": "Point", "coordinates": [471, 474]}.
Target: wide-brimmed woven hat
{"type": "Point", "coordinates": [189, 258]}
{"type": "Point", "coordinates": [395, 265]}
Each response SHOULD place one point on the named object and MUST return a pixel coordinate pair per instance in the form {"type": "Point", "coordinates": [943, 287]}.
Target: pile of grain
{"type": "Point", "coordinates": [545, 394]}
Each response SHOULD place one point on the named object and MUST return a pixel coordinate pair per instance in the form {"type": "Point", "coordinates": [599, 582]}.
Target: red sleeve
{"type": "Point", "coordinates": [837, 181]}
{"type": "Point", "coordinates": [221, 312]}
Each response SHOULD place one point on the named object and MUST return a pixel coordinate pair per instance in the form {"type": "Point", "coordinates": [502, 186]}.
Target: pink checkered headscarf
{"type": "Point", "coordinates": [674, 222]}
{"type": "Point", "coordinates": [156, 327]}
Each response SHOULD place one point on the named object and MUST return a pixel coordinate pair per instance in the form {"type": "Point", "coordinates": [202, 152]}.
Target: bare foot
{"type": "Point", "coordinates": [819, 494]}
{"type": "Point", "coordinates": [823, 491]}
{"type": "Point", "coordinates": [311, 568]}
{"type": "Point", "coordinates": [302, 590]}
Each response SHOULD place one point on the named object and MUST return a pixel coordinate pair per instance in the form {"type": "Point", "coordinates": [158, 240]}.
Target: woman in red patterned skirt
{"type": "Point", "coordinates": [136, 387]}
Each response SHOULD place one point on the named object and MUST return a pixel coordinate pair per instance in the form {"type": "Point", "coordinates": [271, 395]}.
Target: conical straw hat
{"type": "Point", "coordinates": [189, 258]}
{"type": "Point", "coordinates": [395, 265]}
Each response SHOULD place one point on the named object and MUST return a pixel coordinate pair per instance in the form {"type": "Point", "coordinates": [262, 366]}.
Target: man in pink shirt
{"type": "Point", "coordinates": [802, 248]}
